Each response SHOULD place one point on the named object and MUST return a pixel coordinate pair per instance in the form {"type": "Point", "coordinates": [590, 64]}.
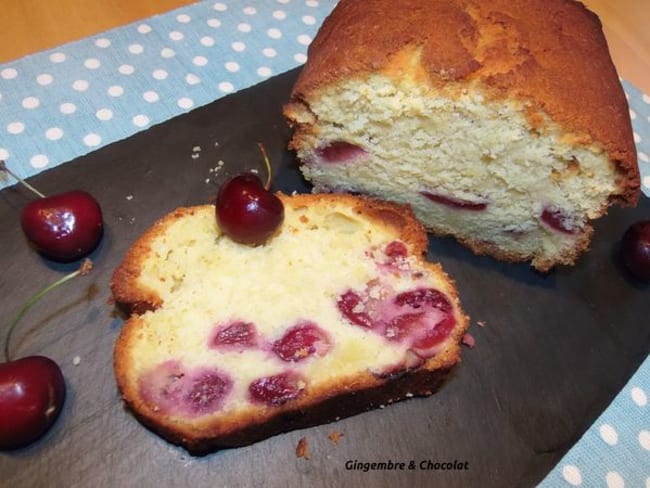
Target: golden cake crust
{"type": "Point", "coordinates": [129, 294]}
{"type": "Point", "coordinates": [550, 55]}
{"type": "Point", "coordinates": [324, 404]}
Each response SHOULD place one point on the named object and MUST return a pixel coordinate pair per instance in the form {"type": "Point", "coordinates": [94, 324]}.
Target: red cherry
{"type": "Point", "coordinates": [246, 211]}
{"type": "Point", "coordinates": [635, 250]}
{"type": "Point", "coordinates": [32, 389]}
{"type": "Point", "coordinates": [454, 202]}
{"type": "Point", "coordinates": [353, 308]}
{"type": "Point", "coordinates": [340, 152]}
{"type": "Point", "coordinates": [558, 220]}
{"type": "Point", "coordinates": [63, 227]}
{"type": "Point", "coordinates": [32, 392]}
{"type": "Point", "coordinates": [302, 341]}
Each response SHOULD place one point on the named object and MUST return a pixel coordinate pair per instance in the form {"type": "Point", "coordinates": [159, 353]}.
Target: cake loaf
{"type": "Point", "coordinates": [228, 344]}
{"type": "Point", "coordinates": [500, 122]}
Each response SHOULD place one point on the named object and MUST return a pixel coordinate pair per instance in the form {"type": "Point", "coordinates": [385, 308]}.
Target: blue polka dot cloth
{"type": "Point", "coordinates": [59, 104]}
{"type": "Point", "coordinates": [65, 102]}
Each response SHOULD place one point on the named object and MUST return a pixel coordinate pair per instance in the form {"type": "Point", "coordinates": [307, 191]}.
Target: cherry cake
{"type": "Point", "coordinates": [501, 122]}
{"type": "Point", "coordinates": [227, 343]}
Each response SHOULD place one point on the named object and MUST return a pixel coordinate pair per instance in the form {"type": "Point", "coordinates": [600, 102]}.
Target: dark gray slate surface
{"type": "Point", "coordinates": [554, 352]}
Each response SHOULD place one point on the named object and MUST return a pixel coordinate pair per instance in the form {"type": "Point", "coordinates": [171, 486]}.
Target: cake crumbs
{"type": "Point", "coordinates": [468, 340]}
{"type": "Point", "coordinates": [196, 149]}
{"type": "Point", "coordinates": [195, 155]}
{"type": "Point", "coordinates": [129, 197]}
{"type": "Point", "coordinates": [215, 170]}
{"type": "Point", "coordinates": [302, 449]}
{"type": "Point", "coordinates": [76, 360]}
{"type": "Point", "coordinates": [335, 437]}
{"type": "Point", "coordinates": [481, 323]}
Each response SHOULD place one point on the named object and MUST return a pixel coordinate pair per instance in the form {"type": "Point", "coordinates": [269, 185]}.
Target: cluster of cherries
{"type": "Point", "coordinates": [68, 226]}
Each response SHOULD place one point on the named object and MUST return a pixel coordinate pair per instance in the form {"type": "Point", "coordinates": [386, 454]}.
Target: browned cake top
{"type": "Point", "coordinates": [550, 53]}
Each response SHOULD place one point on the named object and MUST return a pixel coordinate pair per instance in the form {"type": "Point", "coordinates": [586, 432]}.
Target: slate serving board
{"type": "Point", "coordinates": [553, 353]}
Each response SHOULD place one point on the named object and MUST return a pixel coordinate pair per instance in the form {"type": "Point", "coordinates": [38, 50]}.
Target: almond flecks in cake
{"type": "Point", "coordinates": [172, 388]}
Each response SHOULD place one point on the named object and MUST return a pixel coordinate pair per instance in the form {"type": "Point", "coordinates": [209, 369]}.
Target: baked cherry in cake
{"type": "Point", "coordinates": [32, 388]}
{"type": "Point", "coordinates": [62, 227]}
{"type": "Point", "coordinates": [339, 152]}
{"type": "Point", "coordinates": [635, 250]}
{"type": "Point", "coordinates": [504, 135]}
{"type": "Point", "coordinates": [239, 342]}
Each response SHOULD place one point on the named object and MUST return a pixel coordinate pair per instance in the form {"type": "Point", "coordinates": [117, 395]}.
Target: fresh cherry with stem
{"type": "Point", "coordinates": [32, 389]}
{"type": "Point", "coordinates": [246, 210]}
{"type": "Point", "coordinates": [62, 227]}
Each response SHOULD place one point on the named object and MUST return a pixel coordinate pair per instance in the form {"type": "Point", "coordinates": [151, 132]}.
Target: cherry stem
{"type": "Point", "coordinates": [3, 167]}
{"type": "Point", "coordinates": [267, 185]}
{"type": "Point", "coordinates": [85, 267]}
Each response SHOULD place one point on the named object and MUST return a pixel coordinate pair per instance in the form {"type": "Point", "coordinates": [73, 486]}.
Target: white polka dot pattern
{"type": "Point", "coordinates": [615, 451]}
{"type": "Point", "coordinates": [60, 104]}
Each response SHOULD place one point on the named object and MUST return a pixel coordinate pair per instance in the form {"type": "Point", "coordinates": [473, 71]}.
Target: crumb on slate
{"type": "Point", "coordinates": [335, 437]}
{"type": "Point", "coordinates": [86, 267]}
{"type": "Point", "coordinates": [196, 149]}
{"type": "Point", "coordinates": [129, 197]}
{"type": "Point", "coordinates": [76, 360]}
{"type": "Point", "coordinates": [302, 449]}
{"type": "Point", "coordinates": [481, 323]}
{"type": "Point", "coordinates": [469, 341]}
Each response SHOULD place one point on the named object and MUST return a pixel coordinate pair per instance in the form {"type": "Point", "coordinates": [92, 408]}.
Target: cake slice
{"type": "Point", "coordinates": [337, 313]}
{"type": "Point", "coordinates": [500, 122]}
